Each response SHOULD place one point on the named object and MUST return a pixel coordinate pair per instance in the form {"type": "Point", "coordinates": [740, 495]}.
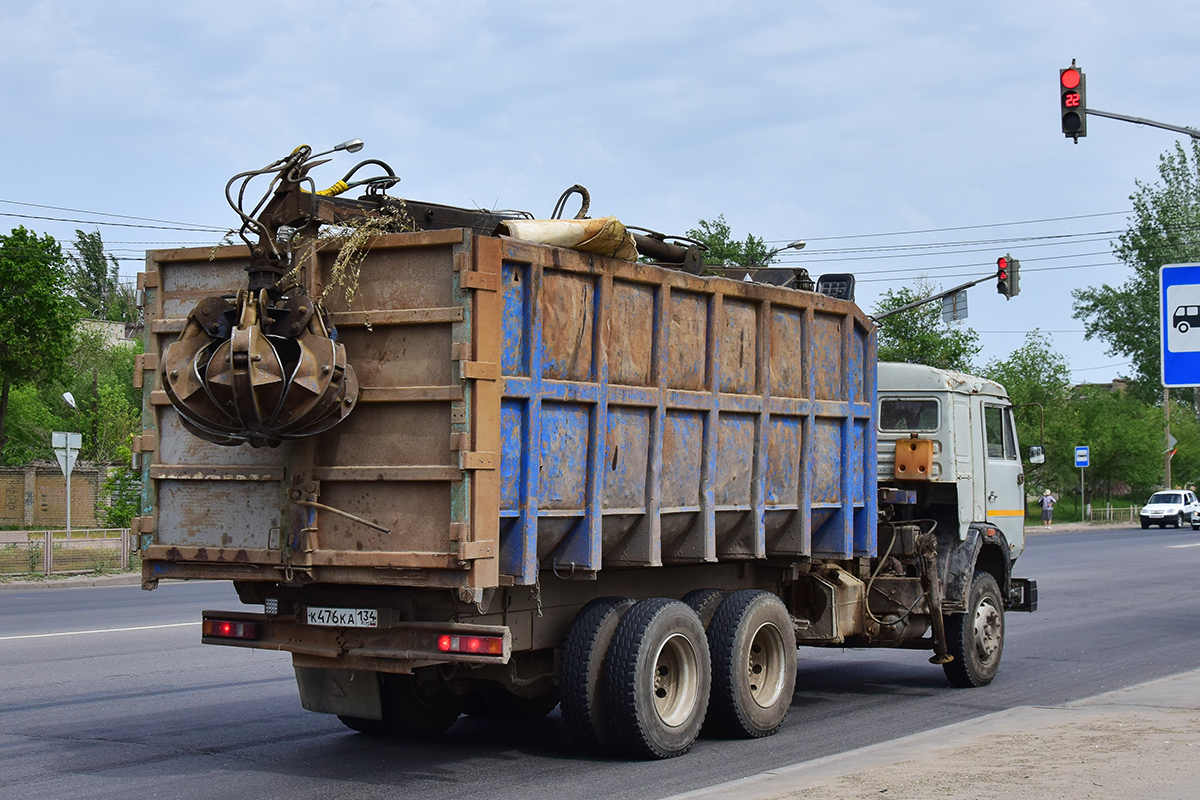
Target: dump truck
{"type": "Point", "coordinates": [454, 470]}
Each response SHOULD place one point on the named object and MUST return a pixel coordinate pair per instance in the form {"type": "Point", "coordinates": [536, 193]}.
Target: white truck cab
{"type": "Point", "coordinates": [975, 456]}
{"type": "Point", "coordinates": [950, 440]}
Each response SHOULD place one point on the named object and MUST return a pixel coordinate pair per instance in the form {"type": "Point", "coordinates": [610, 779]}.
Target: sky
{"type": "Point", "coordinates": [901, 141]}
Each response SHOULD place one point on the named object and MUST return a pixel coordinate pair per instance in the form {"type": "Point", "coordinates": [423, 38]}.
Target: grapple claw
{"type": "Point", "coordinates": [248, 384]}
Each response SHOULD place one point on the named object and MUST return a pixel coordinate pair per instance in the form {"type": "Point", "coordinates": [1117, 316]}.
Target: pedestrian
{"type": "Point", "coordinates": [1047, 501]}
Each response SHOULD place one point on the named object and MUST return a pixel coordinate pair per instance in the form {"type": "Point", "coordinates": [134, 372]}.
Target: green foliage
{"type": "Point", "coordinates": [37, 317]}
{"type": "Point", "coordinates": [96, 281]}
{"type": "Point", "coordinates": [1165, 229]}
{"type": "Point", "coordinates": [1035, 373]}
{"type": "Point", "coordinates": [724, 251]}
{"type": "Point", "coordinates": [1125, 437]}
{"type": "Point", "coordinates": [123, 487]}
{"type": "Point", "coordinates": [100, 376]}
{"type": "Point", "coordinates": [920, 336]}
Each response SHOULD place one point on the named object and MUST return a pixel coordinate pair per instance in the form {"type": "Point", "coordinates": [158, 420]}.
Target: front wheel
{"type": "Point", "coordinates": [1145, 524]}
{"type": "Point", "coordinates": [1179, 520]}
{"type": "Point", "coordinates": [976, 638]}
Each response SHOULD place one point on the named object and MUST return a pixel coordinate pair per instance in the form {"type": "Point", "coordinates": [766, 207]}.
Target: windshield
{"type": "Point", "coordinates": [1166, 497]}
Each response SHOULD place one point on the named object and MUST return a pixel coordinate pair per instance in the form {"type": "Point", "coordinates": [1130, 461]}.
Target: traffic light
{"type": "Point", "coordinates": [1008, 276]}
{"type": "Point", "coordinates": [1072, 85]}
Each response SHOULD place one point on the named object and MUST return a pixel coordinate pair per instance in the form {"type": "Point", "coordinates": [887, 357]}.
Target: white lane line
{"type": "Point", "coordinates": [105, 630]}
{"type": "Point", "coordinates": [1179, 546]}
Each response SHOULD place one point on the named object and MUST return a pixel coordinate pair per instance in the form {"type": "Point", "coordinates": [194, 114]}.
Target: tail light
{"type": "Point", "coordinates": [472, 645]}
{"type": "Point", "coordinates": [230, 629]}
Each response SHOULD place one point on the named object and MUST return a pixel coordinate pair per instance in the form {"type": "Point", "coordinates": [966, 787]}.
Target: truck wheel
{"type": "Point", "coordinates": [976, 638]}
{"type": "Point", "coordinates": [580, 683]}
{"type": "Point", "coordinates": [372, 727]}
{"type": "Point", "coordinates": [657, 678]}
{"type": "Point", "coordinates": [704, 602]}
{"type": "Point", "coordinates": [753, 650]}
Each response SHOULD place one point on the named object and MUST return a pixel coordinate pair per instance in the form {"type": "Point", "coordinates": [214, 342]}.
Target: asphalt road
{"type": "Point", "coordinates": [143, 710]}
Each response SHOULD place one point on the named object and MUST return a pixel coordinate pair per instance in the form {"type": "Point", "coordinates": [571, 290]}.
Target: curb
{"type": "Point", "coordinates": [75, 582]}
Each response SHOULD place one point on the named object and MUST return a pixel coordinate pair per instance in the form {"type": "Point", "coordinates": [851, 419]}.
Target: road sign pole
{"type": "Point", "coordinates": [68, 494]}
{"type": "Point", "coordinates": [1082, 498]}
{"type": "Point", "coordinates": [1167, 438]}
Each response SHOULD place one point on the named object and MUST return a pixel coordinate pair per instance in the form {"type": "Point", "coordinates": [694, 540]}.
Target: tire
{"type": "Point", "coordinates": [1179, 520]}
{"type": "Point", "coordinates": [1183, 327]}
{"type": "Point", "coordinates": [704, 602]}
{"type": "Point", "coordinates": [411, 708]}
{"type": "Point", "coordinates": [976, 638]}
{"type": "Point", "coordinates": [371, 727]}
{"type": "Point", "coordinates": [657, 679]}
{"type": "Point", "coordinates": [496, 702]}
{"type": "Point", "coordinates": [580, 672]}
{"type": "Point", "coordinates": [753, 649]}
{"type": "Point", "coordinates": [1145, 524]}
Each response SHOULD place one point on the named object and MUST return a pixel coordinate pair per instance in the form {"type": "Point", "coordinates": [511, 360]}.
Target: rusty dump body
{"type": "Point", "coordinates": [524, 411]}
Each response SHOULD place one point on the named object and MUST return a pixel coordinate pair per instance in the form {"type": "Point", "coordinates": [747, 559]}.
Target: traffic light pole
{"type": "Point", "coordinates": [879, 317]}
{"type": "Point", "coordinates": [1192, 132]}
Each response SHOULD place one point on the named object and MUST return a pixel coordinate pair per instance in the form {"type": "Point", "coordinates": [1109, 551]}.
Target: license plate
{"type": "Point", "coordinates": [344, 617]}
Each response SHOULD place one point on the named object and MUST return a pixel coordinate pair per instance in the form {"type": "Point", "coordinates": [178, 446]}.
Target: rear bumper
{"type": "Point", "coordinates": [399, 647]}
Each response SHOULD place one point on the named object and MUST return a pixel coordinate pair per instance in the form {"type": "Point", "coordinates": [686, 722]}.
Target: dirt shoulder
{"type": "Point", "coordinates": [1143, 741]}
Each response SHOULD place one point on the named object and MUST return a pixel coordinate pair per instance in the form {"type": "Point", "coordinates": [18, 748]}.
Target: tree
{"type": "Point", "coordinates": [920, 336]}
{"type": "Point", "coordinates": [1035, 374]}
{"type": "Point", "coordinates": [96, 281]}
{"type": "Point", "coordinates": [724, 251]}
{"type": "Point", "coordinates": [108, 413]}
{"type": "Point", "coordinates": [1165, 229]}
{"type": "Point", "coordinates": [37, 315]}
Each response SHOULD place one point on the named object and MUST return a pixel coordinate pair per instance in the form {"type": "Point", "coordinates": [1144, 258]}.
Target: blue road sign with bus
{"type": "Point", "coordinates": [1082, 457]}
{"type": "Point", "coordinates": [1179, 312]}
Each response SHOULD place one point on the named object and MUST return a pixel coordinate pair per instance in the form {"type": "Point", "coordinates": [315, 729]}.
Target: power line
{"type": "Point", "coordinates": [1104, 366]}
{"type": "Point", "coordinates": [955, 228]}
{"type": "Point", "coordinates": [103, 214]}
{"type": "Point", "coordinates": [112, 224]}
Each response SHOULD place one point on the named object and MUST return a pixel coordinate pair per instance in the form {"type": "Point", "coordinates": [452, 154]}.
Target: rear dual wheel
{"type": "Point", "coordinates": [657, 679]}
{"type": "Point", "coordinates": [754, 665]}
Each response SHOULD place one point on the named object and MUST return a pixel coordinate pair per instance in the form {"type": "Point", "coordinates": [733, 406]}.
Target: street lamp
{"type": "Point", "coordinates": [800, 274]}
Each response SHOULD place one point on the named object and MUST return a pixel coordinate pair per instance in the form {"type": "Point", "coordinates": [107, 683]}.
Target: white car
{"type": "Point", "coordinates": [1173, 507]}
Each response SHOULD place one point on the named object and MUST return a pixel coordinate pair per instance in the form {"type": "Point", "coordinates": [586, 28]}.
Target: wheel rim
{"type": "Point", "coordinates": [988, 624]}
{"type": "Point", "coordinates": [765, 659]}
{"type": "Point", "coordinates": [676, 681]}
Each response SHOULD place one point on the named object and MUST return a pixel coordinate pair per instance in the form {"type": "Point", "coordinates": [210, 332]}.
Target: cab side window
{"type": "Point", "coordinates": [998, 433]}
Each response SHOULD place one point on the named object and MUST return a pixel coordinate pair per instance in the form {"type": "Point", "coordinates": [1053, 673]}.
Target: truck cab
{"type": "Point", "coordinates": [950, 439]}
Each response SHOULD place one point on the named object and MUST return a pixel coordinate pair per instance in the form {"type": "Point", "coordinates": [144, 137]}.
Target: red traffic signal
{"type": "Point", "coordinates": [1072, 86]}
{"type": "Point", "coordinates": [1008, 281]}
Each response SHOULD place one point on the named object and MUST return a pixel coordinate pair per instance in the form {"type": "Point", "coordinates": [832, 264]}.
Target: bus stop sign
{"type": "Point", "coordinates": [1179, 313]}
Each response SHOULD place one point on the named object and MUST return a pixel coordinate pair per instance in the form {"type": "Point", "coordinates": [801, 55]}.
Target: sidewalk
{"type": "Point", "coordinates": [1143, 742]}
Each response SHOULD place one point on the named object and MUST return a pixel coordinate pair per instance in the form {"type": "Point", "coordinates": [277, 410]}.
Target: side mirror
{"type": "Point", "coordinates": [1037, 454]}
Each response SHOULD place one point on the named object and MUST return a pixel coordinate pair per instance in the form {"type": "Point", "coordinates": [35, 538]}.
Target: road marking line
{"type": "Point", "coordinates": [105, 630]}
{"type": "Point", "coordinates": [1178, 546]}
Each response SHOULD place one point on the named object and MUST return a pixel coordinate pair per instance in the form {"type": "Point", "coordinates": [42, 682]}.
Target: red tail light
{"type": "Point", "coordinates": [230, 629]}
{"type": "Point", "coordinates": [473, 645]}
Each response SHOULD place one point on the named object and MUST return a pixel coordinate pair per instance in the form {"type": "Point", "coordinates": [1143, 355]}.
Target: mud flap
{"type": "Point", "coordinates": [346, 692]}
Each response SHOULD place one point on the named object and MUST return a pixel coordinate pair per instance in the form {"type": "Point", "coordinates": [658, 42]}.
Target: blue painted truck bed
{"type": "Point", "coordinates": [525, 408]}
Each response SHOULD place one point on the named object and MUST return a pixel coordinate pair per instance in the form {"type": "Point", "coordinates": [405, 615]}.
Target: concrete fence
{"type": "Point", "coordinates": [58, 552]}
